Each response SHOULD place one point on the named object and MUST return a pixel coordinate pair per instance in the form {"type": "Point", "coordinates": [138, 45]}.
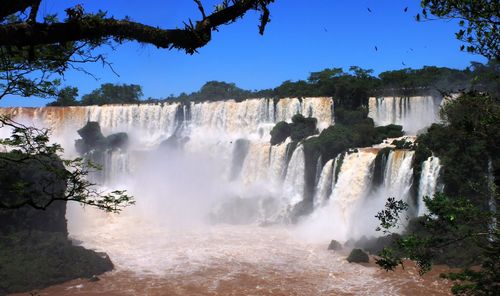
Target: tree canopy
{"type": "Point", "coordinates": [478, 19]}
{"type": "Point", "coordinates": [36, 51]}
{"type": "Point", "coordinates": [460, 227]}
{"type": "Point", "coordinates": [113, 94]}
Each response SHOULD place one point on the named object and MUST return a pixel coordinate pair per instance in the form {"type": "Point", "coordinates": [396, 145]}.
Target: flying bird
{"type": "Point", "coordinates": [325, 30]}
{"type": "Point", "coordinates": [376, 48]}
{"type": "Point", "coordinates": [369, 9]}
{"type": "Point", "coordinates": [403, 63]}
{"type": "Point", "coordinates": [406, 9]}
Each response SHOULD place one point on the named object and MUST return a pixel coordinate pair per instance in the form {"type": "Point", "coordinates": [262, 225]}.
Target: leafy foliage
{"type": "Point", "coordinates": [29, 147]}
{"type": "Point", "coordinates": [36, 51]}
{"type": "Point", "coordinates": [215, 91]}
{"type": "Point", "coordinates": [478, 19]}
{"type": "Point", "coordinates": [339, 138]}
{"type": "Point", "coordinates": [66, 97]}
{"type": "Point", "coordinates": [465, 143]}
{"type": "Point", "coordinates": [460, 228]}
{"type": "Point", "coordinates": [113, 94]}
{"type": "Point", "coordinates": [280, 132]}
{"type": "Point", "coordinates": [390, 216]}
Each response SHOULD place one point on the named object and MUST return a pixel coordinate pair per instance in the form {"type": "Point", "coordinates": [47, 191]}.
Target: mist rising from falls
{"type": "Point", "coordinates": [413, 113]}
{"type": "Point", "coordinates": [337, 217]}
{"type": "Point", "coordinates": [226, 171]}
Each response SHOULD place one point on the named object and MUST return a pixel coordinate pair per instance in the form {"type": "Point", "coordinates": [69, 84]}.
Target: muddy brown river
{"type": "Point", "coordinates": [153, 259]}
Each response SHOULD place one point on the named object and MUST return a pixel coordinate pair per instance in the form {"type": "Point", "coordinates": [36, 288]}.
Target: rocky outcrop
{"type": "Point", "coordinates": [358, 256]}
{"type": "Point", "coordinates": [334, 246]}
{"type": "Point", "coordinates": [35, 251]}
{"type": "Point", "coordinates": [93, 139]}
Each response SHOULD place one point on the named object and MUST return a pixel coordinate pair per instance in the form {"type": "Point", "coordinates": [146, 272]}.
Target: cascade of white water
{"type": "Point", "coordinates": [324, 186]}
{"type": "Point", "coordinates": [294, 184]}
{"type": "Point", "coordinates": [397, 182]}
{"type": "Point", "coordinates": [277, 162]}
{"type": "Point", "coordinates": [398, 176]}
{"type": "Point", "coordinates": [352, 185]}
{"type": "Point", "coordinates": [413, 113]}
{"type": "Point", "coordinates": [336, 218]}
{"type": "Point", "coordinates": [256, 165]}
{"type": "Point", "coordinates": [428, 182]}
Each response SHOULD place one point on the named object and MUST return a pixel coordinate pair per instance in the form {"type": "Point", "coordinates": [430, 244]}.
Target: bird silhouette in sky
{"type": "Point", "coordinates": [403, 63]}
{"type": "Point", "coordinates": [325, 30]}
{"type": "Point", "coordinates": [406, 9]}
{"type": "Point", "coordinates": [376, 48]}
{"type": "Point", "coordinates": [369, 10]}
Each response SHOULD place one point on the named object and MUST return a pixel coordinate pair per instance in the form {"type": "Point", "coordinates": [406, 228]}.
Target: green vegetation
{"type": "Point", "coordinates": [478, 20]}
{"type": "Point", "coordinates": [280, 132]}
{"type": "Point", "coordinates": [66, 97]}
{"type": "Point", "coordinates": [350, 90]}
{"type": "Point", "coordinates": [35, 251]}
{"type": "Point", "coordinates": [300, 128]}
{"type": "Point", "coordinates": [30, 151]}
{"type": "Point", "coordinates": [107, 94]}
{"type": "Point", "coordinates": [460, 229]}
{"type": "Point", "coordinates": [339, 138]}
{"type": "Point", "coordinates": [113, 94]}
{"type": "Point", "coordinates": [215, 91]}
{"type": "Point", "coordinates": [37, 50]}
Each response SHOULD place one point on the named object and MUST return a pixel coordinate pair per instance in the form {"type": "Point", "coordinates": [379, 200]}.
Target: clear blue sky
{"type": "Point", "coordinates": [303, 36]}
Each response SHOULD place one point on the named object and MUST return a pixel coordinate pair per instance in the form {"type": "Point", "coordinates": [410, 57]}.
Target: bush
{"type": "Point", "coordinates": [280, 132]}
{"type": "Point", "coordinates": [302, 127]}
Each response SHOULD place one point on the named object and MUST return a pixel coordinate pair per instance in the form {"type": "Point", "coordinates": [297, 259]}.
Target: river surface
{"type": "Point", "coordinates": [155, 259]}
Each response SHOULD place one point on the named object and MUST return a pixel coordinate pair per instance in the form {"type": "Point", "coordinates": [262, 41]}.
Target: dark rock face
{"type": "Point", "coordinates": [358, 256]}
{"type": "Point", "coordinates": [34, 260]}
{"type": "Point", "coordinates": [93, 139]}
{"type": "Point", "coordinates": [334, 246]}
{"type": "Point", "coordinates": [374, 245]}
{"type": "Point", "coordinates": [280, 132]}
{"type": "Point", "coordinates": [118, 140]}
{"type": "Point", "coordinates": [35, 251]}
{"type": "Point", "coordinates": [36, 180]}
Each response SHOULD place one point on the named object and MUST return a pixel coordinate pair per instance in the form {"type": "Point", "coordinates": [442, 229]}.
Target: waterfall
{"type": "Point", "coordinates": [431, 168]}
{"type": "Point", "coordinates": [398, 175]}
{"type": "Point", "coordinates": [397, 182]}
{"type": "Point", "coordinates": [227, 150]}
{"type": "Point", "coordinates": [294, 184]}
{"type": "Point", "coordinates": [336, 218]}
{"type": "Point", "coordinates": [324, 186]}
{"type": "Point", "coordinates": [351, 187]}
{"type": "Point", "coordinates": [413, 113]}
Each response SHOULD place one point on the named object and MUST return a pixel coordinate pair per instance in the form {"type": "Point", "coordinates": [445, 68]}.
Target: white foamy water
{"type": "Point", "coordinates": [227, 171]}
{"type": "Point", "coordinates": [428, 182]}
{"type": "Point", "coordinates": [224, 260]}
{"type": "Point", "coordinates": [413, 113]}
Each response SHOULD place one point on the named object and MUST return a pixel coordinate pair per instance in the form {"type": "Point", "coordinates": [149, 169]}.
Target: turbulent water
{"type": "Point", "coordinates": [195, 228]}
{"type": "Point", "coordinates": [428, 182]}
